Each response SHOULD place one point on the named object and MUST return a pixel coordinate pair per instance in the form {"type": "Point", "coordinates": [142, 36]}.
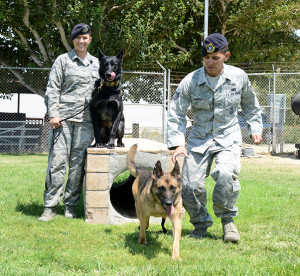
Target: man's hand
{"type": "Point", "coordinates": [55, 122]}
{"type": "Point", "coordinates": [256, 138]}
{"type": "Point", "coordinates": [179, 150]}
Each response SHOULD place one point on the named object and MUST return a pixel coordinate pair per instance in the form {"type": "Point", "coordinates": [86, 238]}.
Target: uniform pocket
{"type": "Point", "coordinates": [68, 99]}
{"type": "Point", "coordinates": [75, 71]}
{"type": "Point", "coordinates": [200, 103]}
{"type": "Point", "coordinates": [233, 97]}
{"type": "Point", "coordinates": [235, 128]}
{"type": "Point", "coordinates": [236, 186]}
{"type": "Point", "coordinates": [197, 132]}
{"type": "Point", "coordinates": [70, 104]}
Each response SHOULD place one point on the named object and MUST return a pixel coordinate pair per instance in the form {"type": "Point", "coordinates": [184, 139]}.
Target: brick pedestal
{"type": "Point", "coordinates": [104, 165]}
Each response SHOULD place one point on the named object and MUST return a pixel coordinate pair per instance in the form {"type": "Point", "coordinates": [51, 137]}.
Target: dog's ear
{"type": "Point", "coordinates": [157, 171]}
{"type": "Point", "coordinates": [101, 55]}
{"type": "Point", "coordinates": [120, 55]}
{"type": "Point", "coordinates": [176, 171]}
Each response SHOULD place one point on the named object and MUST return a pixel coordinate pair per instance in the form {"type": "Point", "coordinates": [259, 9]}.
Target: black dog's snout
{"type": "Point", "coordinates": [110, 76]}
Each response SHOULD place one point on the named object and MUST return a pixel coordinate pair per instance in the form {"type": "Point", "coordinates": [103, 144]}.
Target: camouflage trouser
{"type": "Point", "coordinates": [69, 149]}
{"type": "Point", "coordinates": [194, 172]}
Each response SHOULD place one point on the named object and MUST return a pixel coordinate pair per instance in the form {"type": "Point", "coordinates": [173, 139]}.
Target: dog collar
{"type": "Point", "coordinates": [110, 83]}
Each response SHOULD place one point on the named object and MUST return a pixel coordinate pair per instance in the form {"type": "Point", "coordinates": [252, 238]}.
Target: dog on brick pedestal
{"type": "Point", "coordinates": [107, 105]}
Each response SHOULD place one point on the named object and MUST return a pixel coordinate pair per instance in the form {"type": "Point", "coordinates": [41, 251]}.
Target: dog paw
{"type": "Point", "coordinates": [121, 145]}
{"type": "Point", "coordinates": [99, 145]}
{"type": "Point", "coordinates": [111, 146]}
{"type": "Point", "coordinates": [176, 258]}
{"type": "Point", "coordinates": [165, 231]}
{"type": "Point", "coordinates": [145, 243]}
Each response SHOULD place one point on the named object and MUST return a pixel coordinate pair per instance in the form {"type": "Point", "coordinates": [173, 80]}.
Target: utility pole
{"type": "Point", "coordinates": [206, 3]}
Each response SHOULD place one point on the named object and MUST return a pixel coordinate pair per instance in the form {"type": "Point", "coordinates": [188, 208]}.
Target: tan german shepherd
{"type": "Point", "coordinates": [157, 194]}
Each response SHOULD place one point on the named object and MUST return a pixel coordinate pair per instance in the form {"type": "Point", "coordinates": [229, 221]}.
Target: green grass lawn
{"type": "Point", "coordinates": [268, 222]}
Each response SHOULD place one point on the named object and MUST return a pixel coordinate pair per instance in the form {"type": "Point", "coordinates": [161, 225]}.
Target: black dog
{"type": "Point", "coordinates": [106, 105]}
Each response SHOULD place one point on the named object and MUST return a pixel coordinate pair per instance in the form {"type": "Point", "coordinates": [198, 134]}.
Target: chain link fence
{"type": "Point", "coordinates": [144, 95]}
{"type": "Point", "coordinates": [275, 92]}
{"type": "Point", "coordinates": [24, 123]}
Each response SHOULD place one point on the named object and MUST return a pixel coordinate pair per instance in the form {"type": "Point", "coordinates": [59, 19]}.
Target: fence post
{"type": "Point", "coordinates": [135, 130]}
{"type": "Point", "coordinates": [164, 104]}
{"type": "Point", "coordinates": [269, 129]}
{"type": "Point", "coordinates": [274, 113]}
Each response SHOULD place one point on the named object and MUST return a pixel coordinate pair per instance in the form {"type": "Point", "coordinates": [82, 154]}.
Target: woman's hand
{"type": "Point", "coordinates": [55, 122]}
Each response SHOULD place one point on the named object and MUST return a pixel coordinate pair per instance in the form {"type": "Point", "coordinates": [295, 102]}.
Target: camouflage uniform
{"type": "Point", "coordinates": [215, 135]}
{"type": "Point", "coordinates": [69, 90]}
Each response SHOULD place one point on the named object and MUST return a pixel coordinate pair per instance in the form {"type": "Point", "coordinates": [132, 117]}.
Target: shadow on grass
{"type": "Point", "coordinates": [35, 209]}
{"type": "Point", "coordinates": [152, 249]}
{"type": "Point", "coordinates": [154, 242]}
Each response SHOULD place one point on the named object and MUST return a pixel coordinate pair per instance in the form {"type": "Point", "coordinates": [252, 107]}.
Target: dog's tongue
{"type": "Point", "coordinates": [170, 210]}
{"type": "Point", "coordinates": [112, 75]}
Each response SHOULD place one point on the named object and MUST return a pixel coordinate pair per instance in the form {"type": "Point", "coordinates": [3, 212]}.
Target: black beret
{"type": "Point", "coordinates": [80, 29]}
{"type": "Point", "coordinates": [213, 43]}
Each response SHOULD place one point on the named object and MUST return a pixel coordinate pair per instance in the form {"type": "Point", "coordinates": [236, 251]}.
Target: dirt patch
{"type": "Point", "coordinates": [284, 158]}
{"type": "Point", "coordinates": [263, 148]}
{"type": "Point", "coordinates": [262, 154]}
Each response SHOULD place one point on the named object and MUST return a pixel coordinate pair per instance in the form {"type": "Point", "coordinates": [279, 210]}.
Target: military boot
{"type": "Point", "coordinates": [199, 232]}
{"type": "Point", "coordinates": [70, 212]}
{"type": "Point", "coordinates": [48, 214]}
{"type": "Point", "coordinates": [231, 234]}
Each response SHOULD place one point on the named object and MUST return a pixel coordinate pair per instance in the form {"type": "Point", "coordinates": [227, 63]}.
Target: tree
{"type": "Point", "coordinates": [259, 30]}
{"type": "Point", "coordinates": [34, 33]}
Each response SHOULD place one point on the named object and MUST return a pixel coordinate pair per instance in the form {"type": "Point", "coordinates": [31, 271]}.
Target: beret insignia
{"type": "Point", "coordinates": [210, 48]}
{"type": "Point", "coordinates": [85, 28]}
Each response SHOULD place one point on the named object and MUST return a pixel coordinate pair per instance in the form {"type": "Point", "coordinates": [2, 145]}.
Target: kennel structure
{"type": "Point", "coordinates": [108, 203]}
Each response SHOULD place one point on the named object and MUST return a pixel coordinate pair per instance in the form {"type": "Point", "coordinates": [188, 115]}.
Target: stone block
{"type": "Point", "coordinates": [97, 199]}
{"type": "Point", "coordinates": [97, 163]}
{"type": "Point", "coordinates": [96, 181]}
{"type": "Point", "coordinates": [97, 216]}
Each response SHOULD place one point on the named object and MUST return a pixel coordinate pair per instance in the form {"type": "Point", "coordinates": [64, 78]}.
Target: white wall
{"type": "Point", "coordinates": [31, 104]}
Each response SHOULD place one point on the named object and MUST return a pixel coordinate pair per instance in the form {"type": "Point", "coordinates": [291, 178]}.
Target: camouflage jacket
{"type": "Point", "coordinates": [214, 112]}
{"type": "Point", "coordinates": [70, 86]}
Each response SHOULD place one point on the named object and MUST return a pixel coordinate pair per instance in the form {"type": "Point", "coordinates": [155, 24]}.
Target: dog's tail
{"type": "Point", "coordinates": [131, 166]}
